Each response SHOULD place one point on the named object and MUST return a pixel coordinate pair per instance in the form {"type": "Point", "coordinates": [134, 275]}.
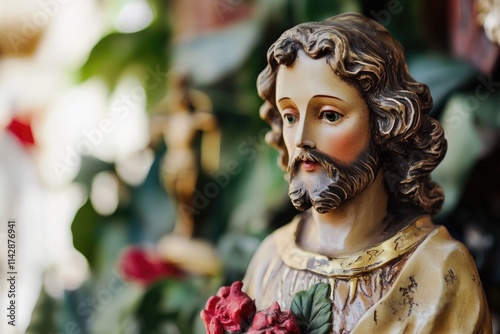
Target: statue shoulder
{"type": "Point", "coordinates": [438, 285]}
{"type": "Point", "coordinates": [265, 257]}
{"type": "Point", "coordinates": [440, 255]}
{"type": "Point", "coordinates": [444, 248]}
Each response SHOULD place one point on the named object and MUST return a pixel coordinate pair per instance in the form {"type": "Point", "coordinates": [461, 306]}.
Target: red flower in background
{"type": "Point", "coordinates": [145, 267]}
{"type": "Point", "coordinates": [273, 321]}
{"type": "Point", "coordinates": [231, 310]}
{"type": "Point", "coordinates": [22, 131]}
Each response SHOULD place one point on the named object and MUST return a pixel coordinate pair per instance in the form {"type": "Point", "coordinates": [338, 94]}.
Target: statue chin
{"type": "Point", "coordinates": [319, 197]}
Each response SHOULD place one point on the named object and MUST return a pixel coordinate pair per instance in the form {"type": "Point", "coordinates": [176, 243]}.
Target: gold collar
{"type": "Point", "coordinates": [402, 242]}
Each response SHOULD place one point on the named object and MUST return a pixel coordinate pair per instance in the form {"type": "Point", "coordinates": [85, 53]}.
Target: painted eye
{"type": "Point", "coordinates": [290, 119]}
{"type": "Point", "coordinates": [331, 116]}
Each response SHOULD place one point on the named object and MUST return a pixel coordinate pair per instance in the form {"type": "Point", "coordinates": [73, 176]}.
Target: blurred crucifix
{"type": "Point", "coordinates": [186, 113]}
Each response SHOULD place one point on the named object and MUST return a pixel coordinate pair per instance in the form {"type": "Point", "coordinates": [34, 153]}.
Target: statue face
{"type": "Point", "coordinates": [319, 108]}
{"type": "Point", "coordinates": [327, 134]}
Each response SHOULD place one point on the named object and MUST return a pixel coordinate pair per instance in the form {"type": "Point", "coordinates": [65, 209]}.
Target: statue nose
{"type": "Point", "coordinates": [306, 144]}
{"type": "Point", "coordinates": [304, 138]}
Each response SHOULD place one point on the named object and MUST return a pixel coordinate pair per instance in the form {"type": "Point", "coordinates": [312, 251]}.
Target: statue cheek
{"type": "Point", "coordinates": [345, 147]}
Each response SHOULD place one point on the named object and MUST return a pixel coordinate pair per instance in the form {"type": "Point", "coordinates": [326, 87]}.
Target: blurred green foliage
{"type": "Point", "coordinates": [252, 204]}
{"type": "Point", "coordinates": [118, 54]}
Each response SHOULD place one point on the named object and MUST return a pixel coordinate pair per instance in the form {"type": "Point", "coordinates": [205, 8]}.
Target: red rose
{"type": "Point", "coordinates": [231, 310]}
{"type": "Point", "coordinates": [145, 267]}
{"type": "Point", "coordinates": [273, 321]}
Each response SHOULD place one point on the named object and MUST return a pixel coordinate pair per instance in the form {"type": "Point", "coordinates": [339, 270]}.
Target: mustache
{"type": "Point", "coordinates": [329, 165]}
{"type": "Point", "coordinates": [346, 181]}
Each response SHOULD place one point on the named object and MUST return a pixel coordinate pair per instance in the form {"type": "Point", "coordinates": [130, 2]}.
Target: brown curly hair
{"type": "Point", "coordinates": [363, 53]}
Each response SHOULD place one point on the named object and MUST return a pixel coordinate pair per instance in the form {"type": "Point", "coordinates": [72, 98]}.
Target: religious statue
{"type": "Point", "coordinates": [358, 145]}
{"type": "Point", "coordinates": [188, 113]}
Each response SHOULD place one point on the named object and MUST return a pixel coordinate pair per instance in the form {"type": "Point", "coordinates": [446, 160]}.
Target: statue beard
{"type": "Point", "coordinates": [336, 182]}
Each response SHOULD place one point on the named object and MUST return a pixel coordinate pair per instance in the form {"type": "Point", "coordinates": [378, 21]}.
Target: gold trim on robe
{"type": "Point", "coordinates": [370, 259]}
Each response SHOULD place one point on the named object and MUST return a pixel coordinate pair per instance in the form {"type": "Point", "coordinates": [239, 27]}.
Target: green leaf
{"type": "Point", "coordinates": [85, 229]}
{"type": "Point", "coordinates": [314, 309]}
{"type": "Point", "coordinates": [139, 54]}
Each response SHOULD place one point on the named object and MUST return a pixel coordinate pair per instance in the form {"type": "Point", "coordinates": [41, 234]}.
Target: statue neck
{"type": "Point", "coordinates": [355, 225]}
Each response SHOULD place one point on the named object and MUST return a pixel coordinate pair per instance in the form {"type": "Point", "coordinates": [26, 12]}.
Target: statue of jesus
{"type": "Point", "coordinates": [358, 145]}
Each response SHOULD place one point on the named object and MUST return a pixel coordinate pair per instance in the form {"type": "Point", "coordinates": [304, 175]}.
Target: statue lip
{"type": "Point", "coordinates": [309, 165]}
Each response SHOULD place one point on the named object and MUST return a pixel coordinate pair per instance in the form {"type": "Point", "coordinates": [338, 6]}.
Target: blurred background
{"type": "Point", "coordinates": [129, 217]}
